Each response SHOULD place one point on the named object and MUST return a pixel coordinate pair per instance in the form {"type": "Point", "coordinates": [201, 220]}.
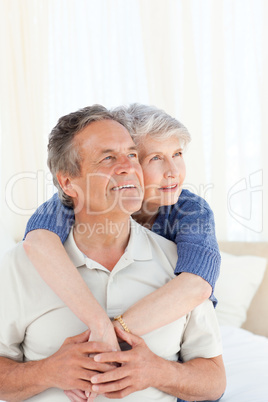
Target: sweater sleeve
{"type": "Point", "coordinates": [52, 216]}
{"type": "Point", "coordinates": [190, 224]}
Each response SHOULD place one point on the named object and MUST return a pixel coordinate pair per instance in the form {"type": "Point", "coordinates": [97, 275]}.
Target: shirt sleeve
{"type": "Point", "coordinates": [11, 332]}
{"type": "Point", "coordinates": [190, 224]}
{"type": "Point", "coordinates": [202, 336]}
{"type": "Point", "coordinates": [52, 216]}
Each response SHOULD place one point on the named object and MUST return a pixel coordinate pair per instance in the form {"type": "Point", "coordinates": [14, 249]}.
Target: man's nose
{"type": "Point", "coordinates": [124, 165]}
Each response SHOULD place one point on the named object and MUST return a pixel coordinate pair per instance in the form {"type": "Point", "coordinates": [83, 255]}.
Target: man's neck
{"type": "Point", "coordinates": [102, 239]}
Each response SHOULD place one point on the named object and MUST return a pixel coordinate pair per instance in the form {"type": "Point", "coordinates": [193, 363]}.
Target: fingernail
{"type": "Point", "coordinates": [95, 388]}
{"type": "Point", "coordinates": [97, 358]}
{"type": "Point", "coordinates": [94, 379]}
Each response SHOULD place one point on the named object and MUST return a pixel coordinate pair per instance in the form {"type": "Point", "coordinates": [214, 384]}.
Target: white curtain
{"type": "Point", "coordinates": [23, 104]}
{"type": "Point", "coordinates": [203, 62]}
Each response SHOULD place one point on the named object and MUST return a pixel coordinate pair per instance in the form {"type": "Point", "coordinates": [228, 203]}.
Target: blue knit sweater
{"type": "Point", "coordinates": [189, 223]}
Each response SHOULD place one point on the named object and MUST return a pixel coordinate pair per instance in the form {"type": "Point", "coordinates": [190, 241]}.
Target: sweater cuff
{"type": "Point", "coordinates": [198, 260]}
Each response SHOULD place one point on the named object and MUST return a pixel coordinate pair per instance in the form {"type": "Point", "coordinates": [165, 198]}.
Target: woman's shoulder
{"type": "Point", "coordinates": [188, 199]}
{"type": "Point", "coordinates": [190, 205]}
{"type": "Point", "coordinates": [191, 208]}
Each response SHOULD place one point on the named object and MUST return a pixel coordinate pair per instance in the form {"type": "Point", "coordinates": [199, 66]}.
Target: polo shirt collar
{"type": "Point", "coordinates": [138, 248]}
{"type": "Point", "coordinates": [75, 254]}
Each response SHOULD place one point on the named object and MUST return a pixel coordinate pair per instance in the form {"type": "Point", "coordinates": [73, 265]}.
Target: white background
{"type": "Point", "coordinates": [204, 62]}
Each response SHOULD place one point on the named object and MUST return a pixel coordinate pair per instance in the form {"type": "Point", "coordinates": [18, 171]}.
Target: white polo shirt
{"type": "Point", "coordinates": [34, 322]}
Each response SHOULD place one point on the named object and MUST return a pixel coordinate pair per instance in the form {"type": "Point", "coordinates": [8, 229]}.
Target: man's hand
{"type": "Point", "coordinates": [76, 395]}
{"type": "Point", "coordinates": [108, 336]}
{"type": "Point", "coordinates": [139, 369]}
{"type": "Point", "coordinates": [71, 368]}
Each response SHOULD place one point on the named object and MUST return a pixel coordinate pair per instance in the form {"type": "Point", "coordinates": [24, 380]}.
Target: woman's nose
{"type": "Point", "coordinates": [172, 170]}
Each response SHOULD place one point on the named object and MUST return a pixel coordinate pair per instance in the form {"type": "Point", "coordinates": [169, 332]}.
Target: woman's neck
{"type": "Point", "coordinates": [146, 218]}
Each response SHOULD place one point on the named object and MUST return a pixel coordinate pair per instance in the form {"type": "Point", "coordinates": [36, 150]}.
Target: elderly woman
{"type": "Point", "coordinates": [176, 214]}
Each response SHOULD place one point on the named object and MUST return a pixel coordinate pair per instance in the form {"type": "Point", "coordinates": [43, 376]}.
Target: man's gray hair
{"type": "Point", "coordinates": [63, 155]}
{"type": "Point", "coordinates": [143, 120]}
{"type": "Point", "coordinates": [140, 120]}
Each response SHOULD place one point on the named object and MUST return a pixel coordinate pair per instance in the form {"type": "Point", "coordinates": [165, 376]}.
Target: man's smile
{"type": "Point", "coordinates": [124, 186]}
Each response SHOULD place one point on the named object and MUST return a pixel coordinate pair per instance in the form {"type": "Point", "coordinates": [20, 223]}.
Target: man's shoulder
{"type": "Point", "coordinates": [15, 261]}
{"type": "Point", "coordinates": [143, 231]}
{"type": "Point", "coordinates": [161, 241]}
{"type": "Point", "coordinates": [16, 264]}
{"type": "Point", "coordinates": [15, 252]}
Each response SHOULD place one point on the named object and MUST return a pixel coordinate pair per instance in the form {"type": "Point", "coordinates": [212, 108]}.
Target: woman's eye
{"type": "Point", "coordinates": [179, 153]}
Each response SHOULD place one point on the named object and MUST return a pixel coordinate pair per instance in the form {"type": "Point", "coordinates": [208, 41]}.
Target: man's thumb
{"type": "Point", "coordinates": [78, 338]}
{"type": "Point", "coordinates": [131, 339]}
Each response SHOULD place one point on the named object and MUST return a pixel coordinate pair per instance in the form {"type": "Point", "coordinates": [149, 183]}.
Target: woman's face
{"type": "Point", "coordinates": [163, 170]}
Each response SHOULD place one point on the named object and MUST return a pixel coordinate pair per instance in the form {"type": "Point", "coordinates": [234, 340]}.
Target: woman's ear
{"type": "Point", "coordinates": [66, 184]}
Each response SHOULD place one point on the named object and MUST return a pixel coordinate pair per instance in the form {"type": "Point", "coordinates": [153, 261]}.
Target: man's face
{"type": "Point", "coordinates": [111, 178]}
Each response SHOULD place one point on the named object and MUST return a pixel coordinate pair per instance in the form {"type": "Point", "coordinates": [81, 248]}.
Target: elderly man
{"type": "Point", "coordinates": [94, 160]}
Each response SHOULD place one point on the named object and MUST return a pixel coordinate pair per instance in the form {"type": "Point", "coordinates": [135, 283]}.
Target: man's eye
{"type": "Point", "coordinates": [133, 155]}
{"type": "Point", "coordinates": [179, 153]}
{"type": "Point", "coordinates": [155, 158]}
{"type": "Point", "coordinates": [107, 158]}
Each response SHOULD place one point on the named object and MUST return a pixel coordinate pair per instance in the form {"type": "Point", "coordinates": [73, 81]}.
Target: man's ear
{"type": "Point", "coordinates": [66, 184]}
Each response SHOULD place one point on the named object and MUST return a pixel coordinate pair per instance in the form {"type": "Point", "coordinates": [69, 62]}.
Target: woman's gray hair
{"type": "Point", "coordinates": [63, 155]}
{"type": "Point", "coordinates": [140, 120]}
{"type": "Point", "coordinates": [143, 120]}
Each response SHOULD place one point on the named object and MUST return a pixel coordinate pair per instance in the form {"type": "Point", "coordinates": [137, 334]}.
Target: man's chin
{"type": "Point", "coordinates": [130, 205]}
